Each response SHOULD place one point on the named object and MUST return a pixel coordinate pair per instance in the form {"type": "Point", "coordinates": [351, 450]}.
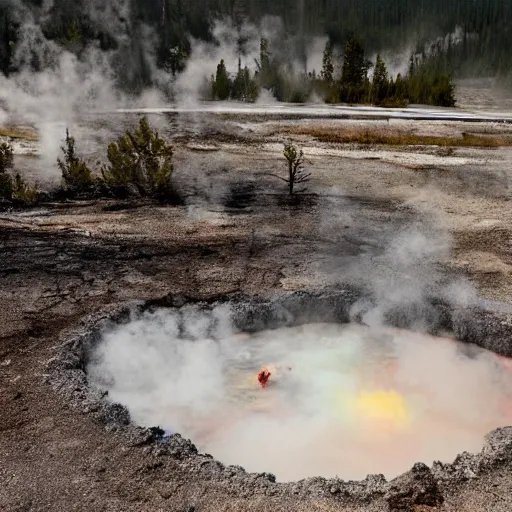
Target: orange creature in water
{"type": "Point", "coordinates": [263, 377]}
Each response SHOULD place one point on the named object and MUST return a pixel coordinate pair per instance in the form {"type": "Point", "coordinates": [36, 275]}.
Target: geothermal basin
{"type": "Point", "coordinates": [342, 400]}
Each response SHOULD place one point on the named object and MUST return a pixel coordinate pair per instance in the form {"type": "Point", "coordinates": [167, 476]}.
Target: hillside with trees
{"type": "Point", "coordinates": [479, 46]}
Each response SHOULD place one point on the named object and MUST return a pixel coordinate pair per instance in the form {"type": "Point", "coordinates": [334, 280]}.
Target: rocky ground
{"type": "Point", "coordinates": [400, 221]}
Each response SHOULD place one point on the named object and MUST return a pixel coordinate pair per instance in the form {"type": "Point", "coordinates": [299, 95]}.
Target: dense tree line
{"type": "Point", "coordinates": [425, 81]}
{"type": "Point", "coordinates": [483, 45]}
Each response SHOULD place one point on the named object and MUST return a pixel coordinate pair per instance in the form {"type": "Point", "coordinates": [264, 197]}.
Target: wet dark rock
{"type": "Point", "coordinates": [148, 436]}
{"type": "Point", "coordinates": [417, 487]}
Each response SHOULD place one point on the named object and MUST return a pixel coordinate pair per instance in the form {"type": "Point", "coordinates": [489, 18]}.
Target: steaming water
{"type": "Point", "coordinates": [342, 400]}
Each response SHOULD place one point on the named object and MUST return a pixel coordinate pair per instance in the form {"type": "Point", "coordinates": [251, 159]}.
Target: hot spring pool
{"type": "Point", "coordinates": [342, 400]}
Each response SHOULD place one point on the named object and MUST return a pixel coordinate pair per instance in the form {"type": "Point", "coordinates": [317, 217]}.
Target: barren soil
{"type": "Point", "coordinates": [237, 232]}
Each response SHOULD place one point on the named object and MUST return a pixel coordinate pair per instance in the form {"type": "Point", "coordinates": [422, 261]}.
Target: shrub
{"type": "Point", "coordinates": [5, 186]}
{"type": "Point", "coordinates": [6, 157]}
{"type": "Point", "coordinates": [443, 91]}
{"type": "Point", "coordinates": [14, 189]}
{"type": "Point", "coordinates": [76, 175]}
{"type": "Point", "coordinates": [6, 163]}
{"type": "Point", "coordinates": [23, 192]}
{"type": "Point", "coordinates": [139, 163]}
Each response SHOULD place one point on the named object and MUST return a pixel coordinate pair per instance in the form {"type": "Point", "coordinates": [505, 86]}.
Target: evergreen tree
{"type": "Point", "coordinates": [265, 73]}
{"type": "Point", "coordinates": [76, 175]}
{"type": "Point", "coordinates": [176, 60]}
{"type": "Point", "coordinates": [443, 92]}
{"type": "Point", "coordinates": [6, 157]}
{"type": "Point", "coordinates": [14, 189]}
{"type": "Point", "coordinates": [222, 85]}
{"type": "Point", "coordinates": [380, 82]}
{"type": "Point", "coordinates": [327, 73]}
{"type": "Point", "coordinates": [355, 67]}
{"type": "Point", "coordinates": [252, 90]}
{"type": "Point", "coordinates": [399, 91]}
{"type": "Point", "coordinates": [264, 64]}
{"type": "Point", "coordinates": [244, 86]}
{"type": "Point", "coordinates": [354, 75]}
{"type": "Point", "coordinates": [23, 192]}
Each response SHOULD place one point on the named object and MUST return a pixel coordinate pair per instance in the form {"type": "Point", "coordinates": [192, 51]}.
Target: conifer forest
{"type": "Point", "coordinates": [440, 40]}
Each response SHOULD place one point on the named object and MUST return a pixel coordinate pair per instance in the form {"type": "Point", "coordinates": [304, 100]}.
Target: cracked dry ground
{"type": "Point", "coordinates": [53, 459]}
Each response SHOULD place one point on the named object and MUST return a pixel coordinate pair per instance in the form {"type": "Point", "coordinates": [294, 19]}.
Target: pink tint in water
{"type": "Point", "coordinates": [356, 401]}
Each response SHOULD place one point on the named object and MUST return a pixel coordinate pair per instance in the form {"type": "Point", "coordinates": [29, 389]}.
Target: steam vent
{"type": "Point", "coordinates": [256, 256]}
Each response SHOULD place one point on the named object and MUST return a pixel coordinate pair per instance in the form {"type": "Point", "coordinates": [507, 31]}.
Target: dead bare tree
{"type": "Point", "coordinates": [295, 161]}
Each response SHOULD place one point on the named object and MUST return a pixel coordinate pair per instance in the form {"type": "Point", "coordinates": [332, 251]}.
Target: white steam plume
{"type": "Point", "coordinates": [342, 400]}
{"type": "Point", "coordinates": [205, 56]}
{"type": "Point", "coordinates": [65, 87]}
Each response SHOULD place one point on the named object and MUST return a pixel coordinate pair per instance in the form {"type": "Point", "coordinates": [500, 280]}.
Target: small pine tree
{"type": "Point", "coordinates": [139, 162]}
{"type": "Point", "coordinates": [295, 163]}
{"type": "Point", "coordinates": [76, 175]}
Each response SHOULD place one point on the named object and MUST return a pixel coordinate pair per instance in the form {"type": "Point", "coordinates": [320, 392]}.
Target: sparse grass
{"type": "Point", "coordinates": [15, 132]}
{"type": "Point", "coordinates": [377, 137]}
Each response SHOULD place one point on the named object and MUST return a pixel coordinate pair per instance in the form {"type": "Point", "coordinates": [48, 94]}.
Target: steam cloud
{"type": "Point", "coordinates": [226, 37]}
{"type": "Point", "coordinates": [54, 88]}
{"type": "Point", "coordinates": [343, 400]}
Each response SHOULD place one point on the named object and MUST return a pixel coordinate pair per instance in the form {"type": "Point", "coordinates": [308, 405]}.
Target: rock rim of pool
{"type": "Point", "coordinates": [487, 326]}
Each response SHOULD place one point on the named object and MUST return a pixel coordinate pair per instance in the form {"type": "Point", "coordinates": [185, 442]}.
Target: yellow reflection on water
{"type": "Point", "coordinates": [386, 408]}
{"type": "Point", "coordinates": [383, 406]}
